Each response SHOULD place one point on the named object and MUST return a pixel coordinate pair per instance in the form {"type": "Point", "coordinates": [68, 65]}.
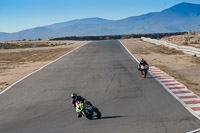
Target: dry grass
{"type": "Point", "coordinates": [32, 56]}
{"type": "Point", "coordinates": [184, 68]}
{"type": "Point", "coordinates": [165, 50]}
{"type": "Point", "coordinates": [18, 62]}
{"type": "Point", "coordinates": [188, 39]}
{"type": "Point", "coordinates": [195, 60]}
{"type": "Point", "coordinates": [33, 44]}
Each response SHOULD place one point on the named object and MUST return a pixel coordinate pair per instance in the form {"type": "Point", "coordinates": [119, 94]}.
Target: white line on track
{"type": "Point", "coordinates": [185, 94]}
{"type": "Point", "coordinates": [195, 131]}
{"type": "Point", "coordinates": [165, 80]}
{"type": "Point", "coordinates": [169, 85]}
{"type": "Point", "coordinates": [40, 68]}
{"type": "Point", "coordinates": [190, 99]}
{"type": "Point", "coordinates": [193, 105]}
{"type": "Point", "coordinates": [198, 112]}
{"type": "Point", "coordinates": [129, 52]}
{"type": "Point", "coordinates": [177, 90]}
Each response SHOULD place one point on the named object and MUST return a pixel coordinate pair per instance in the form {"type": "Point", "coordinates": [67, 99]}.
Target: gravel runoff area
{"type": "Point", "coordinates": [19, 58]}
{"type": "Point", "coordinates": [185, 68]}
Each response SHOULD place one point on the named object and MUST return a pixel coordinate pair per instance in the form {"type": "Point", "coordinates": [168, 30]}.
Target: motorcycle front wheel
{"type": "Point", "coordinates": [144, 73]}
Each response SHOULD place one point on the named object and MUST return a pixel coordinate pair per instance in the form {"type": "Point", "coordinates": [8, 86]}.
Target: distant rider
{"type": "Point", "coordinates": [142, 63]}
{"type": "Point", "coordinates": [76, 98]}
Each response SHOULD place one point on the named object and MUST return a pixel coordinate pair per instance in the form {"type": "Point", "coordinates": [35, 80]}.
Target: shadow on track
{"type": "Point", "coordinates": [150, 77]}
{"type": "Point", "coordinates": [109, 117]}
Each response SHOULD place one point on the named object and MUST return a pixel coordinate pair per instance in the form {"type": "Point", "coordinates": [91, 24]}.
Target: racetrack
{"type": "Point", "coordinates": [105, 74]}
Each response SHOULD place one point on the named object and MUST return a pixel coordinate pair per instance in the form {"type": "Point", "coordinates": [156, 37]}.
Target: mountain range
{"type": "Point", "coordinates": [179, 18]}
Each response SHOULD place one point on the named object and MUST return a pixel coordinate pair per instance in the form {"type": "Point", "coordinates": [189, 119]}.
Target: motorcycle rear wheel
{"type": "Point", "coordinates": [98, 115]}
{"type": "Point", "coordinates": [88, 115]}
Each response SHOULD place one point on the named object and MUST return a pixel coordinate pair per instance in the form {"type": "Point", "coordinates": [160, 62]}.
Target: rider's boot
{"type": "Point", "coordinates": [79, 115]}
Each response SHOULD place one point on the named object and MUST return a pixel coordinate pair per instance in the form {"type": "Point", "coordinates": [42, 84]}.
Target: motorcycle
{"type": "Point", "coordinates": [87, 110]}
{"type": "Point", "coordinates": [144, 69]}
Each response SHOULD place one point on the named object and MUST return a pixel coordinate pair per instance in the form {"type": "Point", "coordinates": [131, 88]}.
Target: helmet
{"type": "Point", "coordinates": [73, 95]}
{"type": "Point", "coordinates": [142, 60]}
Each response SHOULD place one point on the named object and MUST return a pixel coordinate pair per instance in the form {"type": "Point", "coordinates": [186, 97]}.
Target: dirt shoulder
{"type": "Point", "coordinates": [189, 39]}
{"type": "Point", "coordinates": [19, 62]}
{"type": "Point", "coordinates": [185, 68]}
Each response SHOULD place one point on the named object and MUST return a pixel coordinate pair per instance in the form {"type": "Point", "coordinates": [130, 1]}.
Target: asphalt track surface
{"type": "Point", "coordinates": [105, 74]}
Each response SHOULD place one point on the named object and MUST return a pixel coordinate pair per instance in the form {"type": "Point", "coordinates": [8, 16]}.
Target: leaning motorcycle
{"type": "Point", "coordinates": [87, 110]}
{"type": "Point", "coordinates": [144, 69]}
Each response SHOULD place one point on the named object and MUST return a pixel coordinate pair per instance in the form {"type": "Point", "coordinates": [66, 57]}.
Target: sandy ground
{"type": "Point", "coordinates": [185, 68]}
{"type": "Point", "coordinates": [188, 39]}
{"type": "Point", "coordinates": [19, 62]}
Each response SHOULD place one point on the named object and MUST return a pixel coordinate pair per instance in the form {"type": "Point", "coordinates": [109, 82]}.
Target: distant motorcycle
{"type": "Point", "coordinates": [143, 69]}
{"type": "Point", "coordinates": [87, 110]}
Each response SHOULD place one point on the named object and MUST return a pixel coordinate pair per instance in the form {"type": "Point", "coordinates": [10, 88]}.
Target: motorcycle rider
{"type": "Point", "coordinates": [142, 63]}
{"type": "Point", "coordinates": [76, 98]}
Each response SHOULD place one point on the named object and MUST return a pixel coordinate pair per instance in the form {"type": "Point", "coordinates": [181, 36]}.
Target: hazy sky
{"type": "Point", "coordinates": [18, 15]}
